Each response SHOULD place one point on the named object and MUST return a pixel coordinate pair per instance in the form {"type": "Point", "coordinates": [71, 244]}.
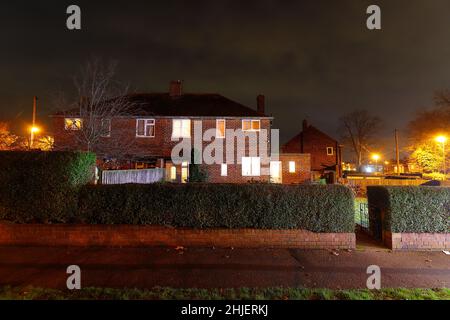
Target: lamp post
{"type": "Point", "coordinates": [376, 157]}
{"type": "Point", "coordinates": [442, 140]}
{"type": "Point", "coordinates": [33, 128]}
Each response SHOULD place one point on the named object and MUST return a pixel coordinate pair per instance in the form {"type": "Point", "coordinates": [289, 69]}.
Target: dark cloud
{"type": "Point", "coordinates": [312, 59]}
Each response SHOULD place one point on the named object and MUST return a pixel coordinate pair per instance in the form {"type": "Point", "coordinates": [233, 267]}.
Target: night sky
{"type": "Point", "coordinates": [313, 59]}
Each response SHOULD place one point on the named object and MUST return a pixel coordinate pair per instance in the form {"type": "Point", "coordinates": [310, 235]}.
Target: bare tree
{"type": "Point", "coordinates": [358, 129]}
{"type": "Point", "coordinates": [429, 122]}
{"type": "Point", "coordinates": [100, 104]}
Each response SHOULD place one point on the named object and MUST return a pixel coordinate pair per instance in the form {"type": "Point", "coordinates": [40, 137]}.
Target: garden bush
{"type": "Point", "coordinates": [40, 186]}
{"type": "Point", "coordinates": [264, 206]}
{"type": "Point", "coordinates": [412, 209]}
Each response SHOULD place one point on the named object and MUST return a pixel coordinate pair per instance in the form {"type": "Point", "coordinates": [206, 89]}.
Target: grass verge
{"type": "Point", "coordinates": [159, 293]}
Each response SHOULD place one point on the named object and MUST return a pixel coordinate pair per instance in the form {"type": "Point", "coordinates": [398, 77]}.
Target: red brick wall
{"type": "Point", "coordinates": [137, 236]}
{"type": "Point", "coordinates": [234, 174]}
{"type": "Point", "coordinates": [302, 172]}
{"type": "Point", "coordinates": [161, 145]}
{"type": "Point", "coordinates": [313, 141]}
{"type": "Point", "coordinates": [417, 241]}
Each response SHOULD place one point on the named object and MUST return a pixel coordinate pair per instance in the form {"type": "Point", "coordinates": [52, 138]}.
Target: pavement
{"type": "Point", "coordinates": [222, 268]}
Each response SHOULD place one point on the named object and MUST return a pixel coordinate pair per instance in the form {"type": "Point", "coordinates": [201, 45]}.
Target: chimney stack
{"type": "Point", "coordinates": [176, 88]}
{"type": "Point", "coordinates": [260, 103]}
{"type": "Point", "coordinates": [305, 124]}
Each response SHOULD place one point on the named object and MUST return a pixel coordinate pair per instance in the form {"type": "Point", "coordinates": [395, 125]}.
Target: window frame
{"type": "Point", "coordinates": [224, 170]}
{"type": "Point", "coordinates": [145, 127]}
{"type": "Point", "coordinates": [253, 171]}
{"type": "Point", "coordinates": [292, 167]}
{"type": "Point", "coordinates": [224, 128]}
{"type": "Point", "coordinates": [181, 136]}
{"type": "Point", "coordinates": [71, 128]}
{"type": "Point", "coordinates": [109, 127]}
{"type": "Point", "coordinates": [173, 173]}
{"type": "Point", "coordinates": [251, 125]}
{"type": "Point", "coordinates": [332, 151]}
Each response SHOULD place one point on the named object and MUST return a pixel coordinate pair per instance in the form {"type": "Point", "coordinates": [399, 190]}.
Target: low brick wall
{"type": "Point", "coordinates": [417, 241]}
{"type": "Point", "coordinates": [138, 236]}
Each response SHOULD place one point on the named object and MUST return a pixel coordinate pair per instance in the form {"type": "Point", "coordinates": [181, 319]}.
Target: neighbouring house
{"type": "Point", "coordinates": [161, 120]}
{"type": "Point", "coordinates": [291, 168]}
{"type": "Point", "coordinates": [324, 151]}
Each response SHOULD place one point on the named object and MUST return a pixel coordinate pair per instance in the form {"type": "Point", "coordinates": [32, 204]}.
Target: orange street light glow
{"type": "Point", "coordinates": [441, 139]}
{"type": "Point", "coordinates": [375, 156]}
{"type": "Point", "coordinates": [34, 129]}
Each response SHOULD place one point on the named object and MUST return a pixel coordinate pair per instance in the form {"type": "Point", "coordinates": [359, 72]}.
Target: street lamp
{"type": "Point", "coordinates": [442, 140]}
{"type": "Point", "coordinates": [33, 130]}
{"type": "Point", "coordinates": [376, 157]}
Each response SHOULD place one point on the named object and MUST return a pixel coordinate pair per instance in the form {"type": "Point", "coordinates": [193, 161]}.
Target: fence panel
{"type": "Point", "coordinates": [133, 176]}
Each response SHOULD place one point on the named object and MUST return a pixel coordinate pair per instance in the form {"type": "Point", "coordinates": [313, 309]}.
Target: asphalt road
{"type": "Point", "coordinates": [221, 268]}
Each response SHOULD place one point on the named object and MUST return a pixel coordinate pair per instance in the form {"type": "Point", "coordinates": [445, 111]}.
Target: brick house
{"type": "Point", "coordinates": [163, 119]}
{"type": "Point", "coordinates": [324, 151]}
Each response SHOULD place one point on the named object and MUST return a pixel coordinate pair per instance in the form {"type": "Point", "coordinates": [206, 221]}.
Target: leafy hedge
{"type": "Point", "coordinates": [411, 209]}
{"type": "Point", "coordinates": [42, 186]}
{"type": "Point", "coordinates": [315, 208]}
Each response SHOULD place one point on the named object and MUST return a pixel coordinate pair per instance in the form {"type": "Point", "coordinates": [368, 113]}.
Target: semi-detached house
{"type": "Point", "coordinates": [162, 120]}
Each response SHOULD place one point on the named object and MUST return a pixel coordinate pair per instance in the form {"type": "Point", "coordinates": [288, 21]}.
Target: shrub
{"type": "Point", "coordinates": [42, 186]}
{"type": "Point", "coordinates": [436, 176]}
{"type": "Point", "coordinates": [411, 209]}
{"type": "Point", "coordinates": [315, 208]}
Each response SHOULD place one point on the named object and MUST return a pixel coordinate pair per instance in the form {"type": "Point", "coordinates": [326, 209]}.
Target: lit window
{"type": "Point", "coordinates": [106, 128]}
{"type": "Point", "coordinates": [330, 151]}
{"type": "Point", "coordinates": [291, 166]}
{"type": "Point", "coordinates": [251, 166]}
{"type": "Point", "coordinates": [73, 123]}
{"type": "Point", "coordinates": [173, 173]}
{"type": "Point", "coordinates": [220, 128]}
{"type": "Point", "coordinates": [145, 128]}
{"type": "Point", "coordinates": [181, 128]}
{"type": "Point", "coordinates": [251, 125]}
{"type": "Point", "coordinates": [223, 170]}
{"type": "Point", "coordinates": [184, 172]}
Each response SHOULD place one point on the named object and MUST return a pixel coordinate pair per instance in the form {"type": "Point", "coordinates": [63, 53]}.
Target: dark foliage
{"type": "Point", "coordinates": [42, 186]}
{"type": "Point", "coordinates": [411, 209]}
{"type": "Point", "coordinates": [315, 208]}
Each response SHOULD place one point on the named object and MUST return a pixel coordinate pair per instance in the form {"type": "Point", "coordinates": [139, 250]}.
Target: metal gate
{"type": "Point", "coordinates": [363, 217]}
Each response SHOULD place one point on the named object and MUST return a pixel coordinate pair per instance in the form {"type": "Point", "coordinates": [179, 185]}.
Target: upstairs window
{"type": "Point", "coordinates": [181, 128]}
{"type": "Point", "coordinates": [220, 128]}
{"type": "Point", "coordinates": [251, 125]}
{"type": "Point", "coordinates": [330, 151]}
{"type": "Point", "coordinates": [145, 128]}
{"type": "Point", "coordinates": [73, 123]}
{"type": "Point", "coordinates": [106, 128]}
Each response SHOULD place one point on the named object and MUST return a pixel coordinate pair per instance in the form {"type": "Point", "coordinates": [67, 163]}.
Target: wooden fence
{"type": "Point", "coordinates": [132, 176]}
{"type": "Point", "coordinates": [363, 183]}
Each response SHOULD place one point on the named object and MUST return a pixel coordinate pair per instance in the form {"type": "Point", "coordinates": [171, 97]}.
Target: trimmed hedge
{"type": "Point", "coordinates": [40, 186]}
{"type": "Point", "coordinates": [410, 209]}
{"type": "Point", "coordinates": [263, 206]}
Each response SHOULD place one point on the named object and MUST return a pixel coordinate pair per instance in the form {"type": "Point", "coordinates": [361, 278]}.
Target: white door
{"type": "Point", "coordinates": [275, 172]}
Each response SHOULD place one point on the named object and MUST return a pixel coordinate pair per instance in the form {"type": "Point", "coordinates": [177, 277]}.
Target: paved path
{"type": "Point", "coordinates": [207, 267]}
